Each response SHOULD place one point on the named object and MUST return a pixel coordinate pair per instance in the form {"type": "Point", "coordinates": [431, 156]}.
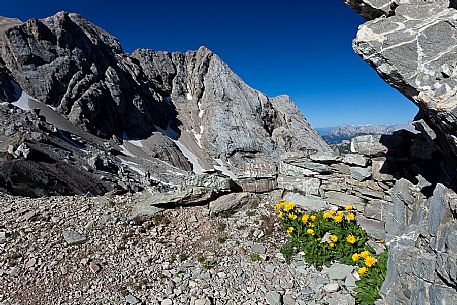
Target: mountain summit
{"type": "Point", "coordinates": [149, 115]}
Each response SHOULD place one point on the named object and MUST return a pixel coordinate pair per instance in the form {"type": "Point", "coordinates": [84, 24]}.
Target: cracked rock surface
{"type": "Point", "coordinates": [412, 45]}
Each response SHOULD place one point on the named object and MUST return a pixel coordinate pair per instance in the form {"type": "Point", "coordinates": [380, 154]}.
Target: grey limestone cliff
{"type": "Point", "coordinates": [157, 115]}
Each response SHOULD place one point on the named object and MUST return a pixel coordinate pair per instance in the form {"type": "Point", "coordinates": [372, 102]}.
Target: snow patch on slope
{"type": "Point", "coordinates": [190, 156]}
{"type": "Point", "coordinates": [133, 166]}
{"type": "Point", "coordinates": [198, 169]}
{"type": "Point", "coordinates": [125, 151]}
{"type": "Point", "coordinates": [221, 167]}
{"type": "Point", "coordinates": [131, 141]}
{"type": "Point", "coordinates": [23, 101]}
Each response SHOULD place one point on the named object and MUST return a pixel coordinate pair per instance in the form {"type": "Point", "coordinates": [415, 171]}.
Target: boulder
{"type": "Point", "coordinates": [306, 185]}
{"type": "Point", "coordinates": [253, 185]}
{"type": "Point", "coordinates": [343, 199]}
{"type": "Point", "coordinates": [293, 170]}
{"type": "Point", "coordinates": [214, 181]}
{"type": "Point", "coordinates": [368, 145]}
{"type": "Point", "coordinates": [229, 202]}
{"type": "Point", "coordinates": [151, 202]}
{"type": "Point", "coordinates": [415, 224]}
{"type": "Point", "coordinates": [374, 228]}
{"type": "Point", "coordinates": [376, 209]}
{"type": "Point", "coordinates": [382, 170]}
{"type": "Point", "coordinates": [355, 159]}
{"type": "Point", "coordinates": [143, 207]}
{"type": "Point", "coordinates": [308, 202]}
{"type": "Point", "coordinates": [324, 157]}
{"type": "Point", "coordinates": [360, 173]}
{"type": "Point", "coordinates": [340, 271]}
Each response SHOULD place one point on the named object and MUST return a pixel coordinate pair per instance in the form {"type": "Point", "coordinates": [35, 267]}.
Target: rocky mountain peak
{"type": "Point", "coordinates": [149, 112]}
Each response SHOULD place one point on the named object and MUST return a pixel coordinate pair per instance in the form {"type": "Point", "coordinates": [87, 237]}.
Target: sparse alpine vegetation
{"type": "Point", "coordinates": [326, 237]}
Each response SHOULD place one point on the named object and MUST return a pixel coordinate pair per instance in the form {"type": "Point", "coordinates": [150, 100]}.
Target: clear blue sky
{"type": "Point", "coordinates": [299, 48]}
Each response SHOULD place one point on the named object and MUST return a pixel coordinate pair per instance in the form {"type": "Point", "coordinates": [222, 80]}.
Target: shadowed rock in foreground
{"type": "Point", "coordinates": [411, 44]}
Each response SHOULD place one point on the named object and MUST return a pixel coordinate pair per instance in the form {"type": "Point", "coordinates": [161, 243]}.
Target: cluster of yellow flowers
{"type": "Point", "coordinates": [368, 260]}
{"type": "Point", "coordinates": [284, 206]}
{"type": "Point", "coordinates": [338, 216]}
{"type": "Point", "coordinates": [287, 206]}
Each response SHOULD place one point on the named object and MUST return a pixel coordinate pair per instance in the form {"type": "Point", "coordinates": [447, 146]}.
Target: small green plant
{"type": "Point", "coordinates": [250, 213]}
{"type": "Point", "coordinates": [221, 227]}
{"type": "Point", "coordinates": [207, 263]}
{"type": "Point", "coordinates": [251, 234]}
{"type": "Point", "coordinates": [172, 258]}
{"type": "Point", "coordinates": [255, 203]}
{"type": "Point", "coordinates": [183, 257]}
{"type": "Point", "coordinates": [287, 250]}
{"type": "Point", "coordinates": [221, 239]}
{"type": "Point", "coordinates": [125, 292]}
{"type": "Point", "coordinates": [367, 291]}
{"type": "Point", "coordinates": [255, 257]}
{"type": "Point", "coordinates": [264, 217]}
{"type": "Point", "coordinates": [226, 214]}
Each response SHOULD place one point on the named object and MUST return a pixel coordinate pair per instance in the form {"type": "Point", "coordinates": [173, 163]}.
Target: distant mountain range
{"type": "Point", "coordinates": [334, 135]}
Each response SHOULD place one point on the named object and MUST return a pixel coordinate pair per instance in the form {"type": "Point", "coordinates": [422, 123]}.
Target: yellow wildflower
{"type": "Point", "coordinates": [331, 244]}
{"type": "Point", "coordinates": [370, 261]}
{"type": "Point", "coordinates": [338, 218]}
{"type": "Point", "coordinates": [362, 271]}
{"type": "Point", "coordinates": [318, 238]}
{"type": "Point", "coordinates": [334, 238]}
{"type": "Point", "coordinates": [382, 241]}
{"type": "Point", "coordinates": [310, 231]}
{"type": "Point", "coordinates": [364, 254]}
{"type": "Point", "coordinates": [305, 218]}
{"type": "Point", "coordinates": [289, 206]}
{"type": "Point", "coordinates": [351, 239]}
{"type": "Point", "coordinates": [332, 212]}
{"type": "Point", "coordinates": [281, 214]}
{"type": "Point", "coordinates": [278, 207]}
{"type": "Point", "coordinates": [351, 216]}
{"type": "Point", "coordinates": [340, 213]}
{"type": "Point", "coordinates": [313, 217]}
{"type": "Point", "coordinates": [355, 257]}
{"type": "Point", "coordinates": [311, 225]}
{"type": "Point", "coordinates": [292, 216]}
{"type": "Point", "coordinates": [290, 230]}
{"type": "Point", "coordinates": [326, 215]}
{"type": "Point", "coordinates": [348, 207]}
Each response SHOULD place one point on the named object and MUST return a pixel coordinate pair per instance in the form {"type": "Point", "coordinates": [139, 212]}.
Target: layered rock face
{"type": "Point", "coordinates": [147, 117]}
{"type": "Point", "coordinates": [221, 114]}
{"type": "Point", "coordinates": [411, 44]}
